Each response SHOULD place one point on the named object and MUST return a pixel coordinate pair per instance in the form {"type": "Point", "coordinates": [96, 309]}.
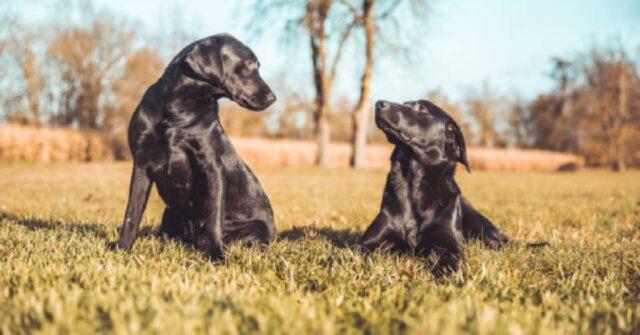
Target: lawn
{"type": "Point", "coordinates": [57, 276]}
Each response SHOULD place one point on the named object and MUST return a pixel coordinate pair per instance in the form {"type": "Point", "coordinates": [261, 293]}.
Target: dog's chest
{"type": "Point", "coordinates": [420, 211]}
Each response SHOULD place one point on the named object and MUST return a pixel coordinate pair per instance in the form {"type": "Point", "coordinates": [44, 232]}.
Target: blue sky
{"type": "Point", "coordinates": [506, 43]}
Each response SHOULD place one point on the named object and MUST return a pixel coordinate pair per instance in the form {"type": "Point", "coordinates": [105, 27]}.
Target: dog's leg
{"type": "Point", "coordinates": [253, 232]}
{"type": "Point", "coordinates": [476, 225]}
{"type": "Point", "coordinates": [138, 196]}
{"type": "Point", "coordinates": [177, 225]}
{"type": "Point", "coordinates": [210, 241]}
{"type": "Point", "coordinates": [380, 235]}
{"type": "Point", "coordinates": [171, 226]}
{"type": "Point", "coordinates": [442, 237]}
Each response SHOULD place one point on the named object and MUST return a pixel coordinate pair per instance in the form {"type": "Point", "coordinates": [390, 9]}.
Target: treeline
{"type": "Point", "coordinates": [593, 111]}
{"type": "Point", "coordinates": [91, 75]}
{"type": "Point", "coordinates": [88, 77]}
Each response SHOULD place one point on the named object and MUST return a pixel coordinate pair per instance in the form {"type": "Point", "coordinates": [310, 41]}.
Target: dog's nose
{"type": "Point", "coordinates": [271, 97]}
{"type": "Point", "coordinates": [381, 104]}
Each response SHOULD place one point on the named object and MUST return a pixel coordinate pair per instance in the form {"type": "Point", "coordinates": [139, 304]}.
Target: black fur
{"type": "Point", "coordinates": [422, 206]}
{"type": "Point", "coordinates": [177, 142]}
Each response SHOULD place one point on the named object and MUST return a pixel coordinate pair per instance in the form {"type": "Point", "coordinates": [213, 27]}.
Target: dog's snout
{"type": "Point", "coordinates": [381, 104]}
{"type": "Point", "coordinates": [271, 98]}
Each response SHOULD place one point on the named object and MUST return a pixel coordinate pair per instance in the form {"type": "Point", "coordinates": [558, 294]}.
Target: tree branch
{"type": "Point", "coordinates": [385, 14]}
{"type": "Point", "coordinates": [343, 42]}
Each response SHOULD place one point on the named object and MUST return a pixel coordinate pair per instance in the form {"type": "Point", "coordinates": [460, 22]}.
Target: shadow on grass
{"type": "Point", "coordinates": [35, 223]}
{"type": "Point", "coordinates": [341, 238]}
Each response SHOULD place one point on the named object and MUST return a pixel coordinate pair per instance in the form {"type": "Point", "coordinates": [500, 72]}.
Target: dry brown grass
{"type": "Point", "coordinates": [265, 153]}
{"type": "Point", "coordinates": [21, 143]}
{"type": "Point", "coordinates": [44, 144]}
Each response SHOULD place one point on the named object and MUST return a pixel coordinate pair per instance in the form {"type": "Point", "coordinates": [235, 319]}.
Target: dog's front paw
{"type": "Point", "coordinates": [363, 249]}
{"type": "Point", "coordinates": [214, 254]}
{"type": "Point", "coordinates": [496, 240]}
{"type": "Point", "coordinates": [113, 246]}
{"type": "Point", "coordinates": [448, 263]}
{"type": "Point", "coordinates": [212, 249]}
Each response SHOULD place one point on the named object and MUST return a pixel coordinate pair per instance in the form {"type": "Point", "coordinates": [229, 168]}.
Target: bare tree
{"type": "Point", "coordinates": [602, 121]}
{"type": "Point", "coordinates": [563, 73]}
{"type": "Point", "coordinates": [374, 23]}
{"type": "Point", "coordinates": [360, 116]}
{"type": "Point", "coordinates": [327, 25]}
{"type": "Point", "coordinates": [324, 72]}
{"type": "Point", "coordinates": [292, 118]}
{"type": "Point", "coordinates": [483, 107]}
{"type": "Point", "coordinates": [87, 60]}
{"type": "Point", "coordinates": [519, 132]}
{"type": "Point", "coordinates": [25, 93]}
{"type": "Point", "coordinates": [610, 78]}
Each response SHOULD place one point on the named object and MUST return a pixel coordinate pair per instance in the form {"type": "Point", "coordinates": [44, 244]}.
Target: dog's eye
{"type": "Point", "coordinates": [251, 65]}
{"type": "Point", "coordinates": [451, 128]}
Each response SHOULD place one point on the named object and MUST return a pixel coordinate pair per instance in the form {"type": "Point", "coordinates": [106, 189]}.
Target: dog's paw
{"type": "Point", "coordinates": [446, 265]}
{"type": "Point", "coordinates": [214, 254]}
{"type": "Point", "coordinates": [362, 249]}
{"type": "Point", "coordinates": [212, 250]}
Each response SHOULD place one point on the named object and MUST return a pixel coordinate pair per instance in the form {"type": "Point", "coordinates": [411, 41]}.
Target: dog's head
{"type": "Point", "coordinates": [431, 134]}
{"type": "Point", "coordinates": [226, 63]}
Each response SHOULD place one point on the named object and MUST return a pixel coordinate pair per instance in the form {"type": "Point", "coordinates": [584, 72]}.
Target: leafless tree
{"type": "Point", "coordinates": [87, 59]}
{"type": "Point", "coordinates": [519, 132]}
{"type": "Point", "coordinates": [377, 18]}
{"type": "Point", "coordinates": [611, 79]}
{"type": "Point", "coordinates": [327, 26]}
{"type": "Point", "coordinates": [360, 115]}
{"type": "Point", "coordinates": [483, 107]}
{"type": "Point", "coordinates": [602, 122]}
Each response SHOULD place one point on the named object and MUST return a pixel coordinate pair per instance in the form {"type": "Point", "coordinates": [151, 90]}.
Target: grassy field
{"type": "Point", "coordinates": [57, 276]}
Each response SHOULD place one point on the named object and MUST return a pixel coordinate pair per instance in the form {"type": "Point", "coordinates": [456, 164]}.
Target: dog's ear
{"type": "Point", "coordinates": [205, 60]}
{"type": "Point", "coordinates": [460, 149]}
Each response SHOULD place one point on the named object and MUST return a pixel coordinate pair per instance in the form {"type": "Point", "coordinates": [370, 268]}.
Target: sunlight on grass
{"type": "Point", "coordinates": [57, 276]}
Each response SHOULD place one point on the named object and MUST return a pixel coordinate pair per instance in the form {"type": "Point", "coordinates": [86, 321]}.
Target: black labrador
{"type": "Point", "coordinates": [422, 206]}
{"type": "Point", "coordinates": [177, 142]}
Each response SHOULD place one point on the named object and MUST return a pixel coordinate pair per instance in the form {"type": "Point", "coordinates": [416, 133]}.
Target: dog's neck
{"type": "Point", "coordinates": [437, 179]}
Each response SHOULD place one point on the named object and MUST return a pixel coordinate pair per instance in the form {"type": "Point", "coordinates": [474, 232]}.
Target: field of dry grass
{"type": "Point", "coordinates": [58, 277]}
{"type": "Point", "coordinates": [46, 144]}
{"type": "Point", "coordinates": [20, 143]}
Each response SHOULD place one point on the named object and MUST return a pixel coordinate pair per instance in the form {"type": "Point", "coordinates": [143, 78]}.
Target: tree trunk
{"type": "Point", "coordinates": [323, 138]}
{"type": "Point", "coordinates": [360, 117]}
{"type": "Point", "coordinates": [322, 83]}
{"type": "Point", "coordinates": [621, 118]}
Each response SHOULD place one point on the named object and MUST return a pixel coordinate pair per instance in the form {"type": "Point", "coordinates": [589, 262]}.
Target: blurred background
{"type": "Point", "coordinates": [536, 85]}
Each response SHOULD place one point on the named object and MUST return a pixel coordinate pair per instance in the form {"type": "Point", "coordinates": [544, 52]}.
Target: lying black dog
{"type": "Point", "coordinates": [177, 141]}
{"type": "Point", "coordinates": [422, 207]}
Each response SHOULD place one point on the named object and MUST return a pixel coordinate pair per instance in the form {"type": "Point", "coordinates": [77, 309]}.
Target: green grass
{"type": "Point", "coordinates": [57, 276]}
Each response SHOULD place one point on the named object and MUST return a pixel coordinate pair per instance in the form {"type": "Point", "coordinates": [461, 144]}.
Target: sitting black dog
{"type": "Point", "coordinates": [177, 142]}
{"type": "Point", "coordinates": [422, 207]}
